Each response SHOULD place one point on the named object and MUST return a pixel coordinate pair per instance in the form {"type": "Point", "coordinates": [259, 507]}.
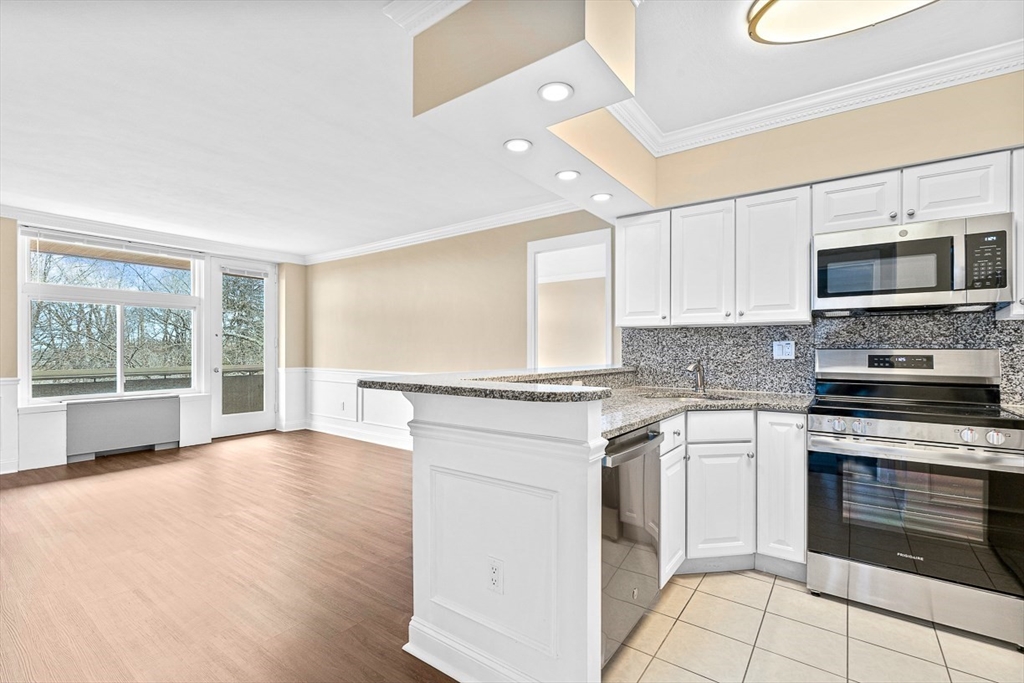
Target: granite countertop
{"type": "Point", "coordinates": [634, 407]}
{"type": "Point", "coordinates": [509, 385]}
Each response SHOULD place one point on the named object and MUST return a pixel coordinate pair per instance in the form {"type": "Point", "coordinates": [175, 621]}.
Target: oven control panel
{"type": "Point", "coordinates": [916, 362]}
{"type": "Point", "coordinates": [981, 438]}
{"type": "Point", "coordinates": [986, 260]}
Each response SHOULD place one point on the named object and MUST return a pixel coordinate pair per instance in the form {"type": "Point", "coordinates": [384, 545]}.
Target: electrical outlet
{"type": "Point", "coordinates": [496, 576]}
{"type": "Point", "coordinates": [783, 350]}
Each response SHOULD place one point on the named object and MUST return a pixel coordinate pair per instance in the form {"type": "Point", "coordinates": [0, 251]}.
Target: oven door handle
{"type": "Point", "coordinates": [978, 460]}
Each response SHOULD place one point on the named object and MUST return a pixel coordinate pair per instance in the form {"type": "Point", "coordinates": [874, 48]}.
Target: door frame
{"type": "Point", "coordinates": [241, 423]}
{"type": "Point", "coordinates": [601, 236]}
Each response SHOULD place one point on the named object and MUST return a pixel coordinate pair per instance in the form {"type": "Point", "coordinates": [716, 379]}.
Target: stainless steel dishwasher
{"type": "Point", "coordinates": [629, 552]}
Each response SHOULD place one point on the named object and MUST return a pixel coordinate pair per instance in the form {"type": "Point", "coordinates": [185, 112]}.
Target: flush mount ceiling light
{"type": "Point", "coordinates": [518, 145]}
{"type": "Point", "coordinates": [555, 92]}
{"type": "Point", "coordinates": [778, 22]}
{"type": "Point", "coordinates": [601, 197]}
{"type": "Point", "coordinates": [567, 175]}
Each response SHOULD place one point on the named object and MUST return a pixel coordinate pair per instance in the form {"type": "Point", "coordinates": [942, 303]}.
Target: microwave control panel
{"type": "Point", "coordinates": [986, 260]}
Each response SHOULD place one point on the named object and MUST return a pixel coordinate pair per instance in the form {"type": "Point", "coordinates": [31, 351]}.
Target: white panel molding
{"type": "Point", "coordinates": [8, 425]}
{"type": "Point", "coordinates": [530, 213]}
{"type": "Point", "coordinates": [973, 66]}
{"type": "Point", "coordinates": [416, 16]}
{"type": "Point", "coordinates": [455, 657]}
{"type": "Point", "coordinates": [84, 226]}
{"type": "Point", "coordinates": [293, 390]}
{"type": "Point", "coordinates": [323, 410]}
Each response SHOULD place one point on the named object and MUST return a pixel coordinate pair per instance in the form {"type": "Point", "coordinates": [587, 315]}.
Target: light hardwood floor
{"type": "Point", "coordinates": [273, 557]}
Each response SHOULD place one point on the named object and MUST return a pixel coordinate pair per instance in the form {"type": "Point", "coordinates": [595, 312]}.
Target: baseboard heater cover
{"type": "Point", "coordinates": [120, 425]}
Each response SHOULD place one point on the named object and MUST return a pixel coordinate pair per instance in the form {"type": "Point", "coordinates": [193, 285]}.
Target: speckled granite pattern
{"type": "Point", "coordinates": [629, 409]}
{"type": "Point", "coordinates": [508, 385]}
{"type": "Point", "coordinates": [740, 358]}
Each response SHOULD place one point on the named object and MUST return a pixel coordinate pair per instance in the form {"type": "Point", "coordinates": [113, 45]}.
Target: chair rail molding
{"type": "Point", "coordinates": [944, 73]}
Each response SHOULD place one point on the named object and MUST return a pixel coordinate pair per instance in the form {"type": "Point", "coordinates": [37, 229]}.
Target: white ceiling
{"type": "Point", "coordinates": [696, 64]}
{"type": "Point", "coordinates": [286, 125]}
{"type": "Point", "coordinates": [281, 125]}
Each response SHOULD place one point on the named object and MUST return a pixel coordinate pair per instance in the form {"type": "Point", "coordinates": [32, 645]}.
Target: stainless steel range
{"type": "Point", "coordinates": [916, 487]}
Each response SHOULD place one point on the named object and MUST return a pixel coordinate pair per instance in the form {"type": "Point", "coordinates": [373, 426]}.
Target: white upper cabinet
{"type": "Point", "coordinates": [773, 257]}
{"type": "Point", "coordinates": [781, 486]}
{"type": "Point", "coordinates": [720, 493]}
{"type": "Point", "coordinates": [954, 189]}
{"type": "Point", "coordinates": [703, 264]}
{"type": "Point", "coordinates": [642, 271]}
{"type": "Point", "coordinates": [867, 201]}
{"type": "Point", "coordinates": [1016, 309]}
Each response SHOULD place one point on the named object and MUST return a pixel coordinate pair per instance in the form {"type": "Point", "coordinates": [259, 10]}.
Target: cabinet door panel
{"type": "Point", "coordinates": [957, 188]}
{"type": "Point", "coordinates": [652, 494]}
{"type": "Point", "coordinates": [866, 201]}
{"type": "Point", "coordinates": [672, 541]}
{"type": "Point", "coordinates": [1015, 311]}
{"type": "Point", "coordinates": [781, 486]}
{"type": "Point", "coordinates": [642, 271]}
{"type": "Point", "coordinates": [720, 487]}
{"type": "Point", "coordinates": [773, 257]}
{"type": "Point", "coordinates": [703, 264]}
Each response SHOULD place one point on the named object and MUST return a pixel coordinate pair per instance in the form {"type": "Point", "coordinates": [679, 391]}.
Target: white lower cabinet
{"type": "Point", "coordinates": [721, 489]}
{"type": "Point", "coordinates": [672, 536]}
{"type": "Point", "coordinates": [781, 485]}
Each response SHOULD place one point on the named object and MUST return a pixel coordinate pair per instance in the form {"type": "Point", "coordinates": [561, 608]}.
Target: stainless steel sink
{"type": "Point", "coordinates": [687, 397]}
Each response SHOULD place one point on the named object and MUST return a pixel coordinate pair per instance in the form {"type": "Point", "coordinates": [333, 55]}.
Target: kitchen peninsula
{"type": "Point", "coordinates": [507, 511]}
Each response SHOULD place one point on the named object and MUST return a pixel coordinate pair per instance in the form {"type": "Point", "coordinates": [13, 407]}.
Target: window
{"type": "Point", "coordinates": [108, 318]}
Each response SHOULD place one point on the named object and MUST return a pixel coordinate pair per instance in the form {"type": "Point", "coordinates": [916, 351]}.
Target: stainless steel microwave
{"type": "Point", "coordinates": [920, 265]}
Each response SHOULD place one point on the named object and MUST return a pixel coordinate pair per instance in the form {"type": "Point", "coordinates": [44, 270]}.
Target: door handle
{"type": "Point", "coordinates": [216, 369]}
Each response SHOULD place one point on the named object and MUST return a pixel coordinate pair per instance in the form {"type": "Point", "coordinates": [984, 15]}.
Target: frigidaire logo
{"type": "Point", "coordinates": [911, 557]}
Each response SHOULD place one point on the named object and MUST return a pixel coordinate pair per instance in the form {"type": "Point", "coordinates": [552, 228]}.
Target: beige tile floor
{"type": "Point", "coordinates": [751, 626]}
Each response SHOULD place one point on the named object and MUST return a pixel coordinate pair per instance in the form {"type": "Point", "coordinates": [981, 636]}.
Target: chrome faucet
{"type": "Point", "coordinates": [698, 367]}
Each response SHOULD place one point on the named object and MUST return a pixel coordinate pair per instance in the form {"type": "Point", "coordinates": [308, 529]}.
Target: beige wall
{"type": "Point", "coordinates": [570, 323]}
{"type": "Point", "coordinates": [484, 41]}
{"type": "Point", "coordinates": [291, 313]}
{"type": "Point", "coordinates": [8, 297]}
{"type": "Point", "coordinates": [965, 119]}
{"type": "Point", "coordinates": [453, 304]}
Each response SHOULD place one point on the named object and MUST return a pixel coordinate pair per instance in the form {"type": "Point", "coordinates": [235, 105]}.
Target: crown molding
{"type": "Point", "coordinates": [530, 213]}
{"type": "Point", "coordinates": [416, 16]}
{"type": "Point", "coordinates": [121, 232]}
{"type": "Point", "coordinates": [973, 66]}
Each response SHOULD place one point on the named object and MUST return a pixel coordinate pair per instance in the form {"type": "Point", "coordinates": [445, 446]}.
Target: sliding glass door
{"type": "Point", "coordinates": [243, 349]}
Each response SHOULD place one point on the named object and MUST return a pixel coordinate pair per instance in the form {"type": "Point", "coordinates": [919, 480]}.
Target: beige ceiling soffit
{"type": "Point", "coordinates": [165, 239]}
{"type": "Point", "coordinates": [599, 137]}
{"type": "Point", "coordinates": [944, 73]}
{"type": "Point", "coordinates": [610, 29]}
{"type": "Point", "coordinates": [530, 213]}
{"type": "Point", "coordinates": [416, 16]}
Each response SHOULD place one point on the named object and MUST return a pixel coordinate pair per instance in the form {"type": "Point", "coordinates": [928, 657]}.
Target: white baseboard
{"type": "Point", "coordinates": [384, 436]}
{"type": "Point", "coordinates": [293, 426]}
{"type": "Point", "coordinates": [456, 658]}
{"type": "Point", "coordinates": [8, 466]}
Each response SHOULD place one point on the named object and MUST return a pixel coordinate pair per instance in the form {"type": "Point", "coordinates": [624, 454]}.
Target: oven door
{"type": "Point", "coordinates": [957, 516]}
{"type": "Point", "coordinates": [901, 266]}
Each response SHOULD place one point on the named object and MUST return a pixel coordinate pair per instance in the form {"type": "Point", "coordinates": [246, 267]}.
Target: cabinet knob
{"type": "Point", "coordinates": [728, 314]}
{"type": "Point", "coordinates": [686, 457]}
{"type": "Point", "coordinates": [677, 432]}
{"type": "Point", "coordinates": [910, 212]}
{"type": "Point", "coordinates": [741, 314]}
{"type": "Point", "coordinates": [664, 317]}
{"type": "Point", "coordinates": [799, 426]}
{"type": "Point", "coordinates": [893, 215]}
{"type": "Point", "coordinates": [750, 455]}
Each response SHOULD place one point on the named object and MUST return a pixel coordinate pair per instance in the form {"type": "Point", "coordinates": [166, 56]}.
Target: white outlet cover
{"type": "Point", "coordinates": [783, 350]}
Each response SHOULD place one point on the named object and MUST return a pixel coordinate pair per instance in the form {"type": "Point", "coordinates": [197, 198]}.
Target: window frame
{"type": "Point", "coordinates": [120, 298]}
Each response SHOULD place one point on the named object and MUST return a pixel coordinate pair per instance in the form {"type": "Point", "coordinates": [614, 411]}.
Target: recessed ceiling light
{"type": "Point", "coordinates": [518, 145]}
{"type": "Point", "coordinates": [555, 92]}
{"type": "Point", "coordinates": [799, 21]}
{"type": "Point", "coordinates": [601, 197]}
{"type": "Point", "coordinates": [567, 175]}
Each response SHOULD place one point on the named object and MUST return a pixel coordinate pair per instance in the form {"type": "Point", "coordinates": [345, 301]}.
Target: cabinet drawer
{"type": "Point", "coordinates": [674, 429]}
{"type": "Point", "coordinates": [720, 425]}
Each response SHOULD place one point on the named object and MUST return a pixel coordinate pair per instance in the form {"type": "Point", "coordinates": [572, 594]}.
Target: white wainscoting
{"type": "Point", "coordinates": [292, 413]}
{"type": "Point", "coordinates": [42, 436]}
{"type": "Point", "coordinates": [335, 405]}
{"type": "Point", "coordinates": [8, 425]}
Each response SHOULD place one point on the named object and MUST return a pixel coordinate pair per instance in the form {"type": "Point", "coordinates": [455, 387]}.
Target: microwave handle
{"type": "Point", "coordinates": [959, 262]}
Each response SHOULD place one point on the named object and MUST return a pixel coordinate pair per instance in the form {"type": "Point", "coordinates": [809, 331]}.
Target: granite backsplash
{"type": "Point", "coordinates": [740, 358]}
